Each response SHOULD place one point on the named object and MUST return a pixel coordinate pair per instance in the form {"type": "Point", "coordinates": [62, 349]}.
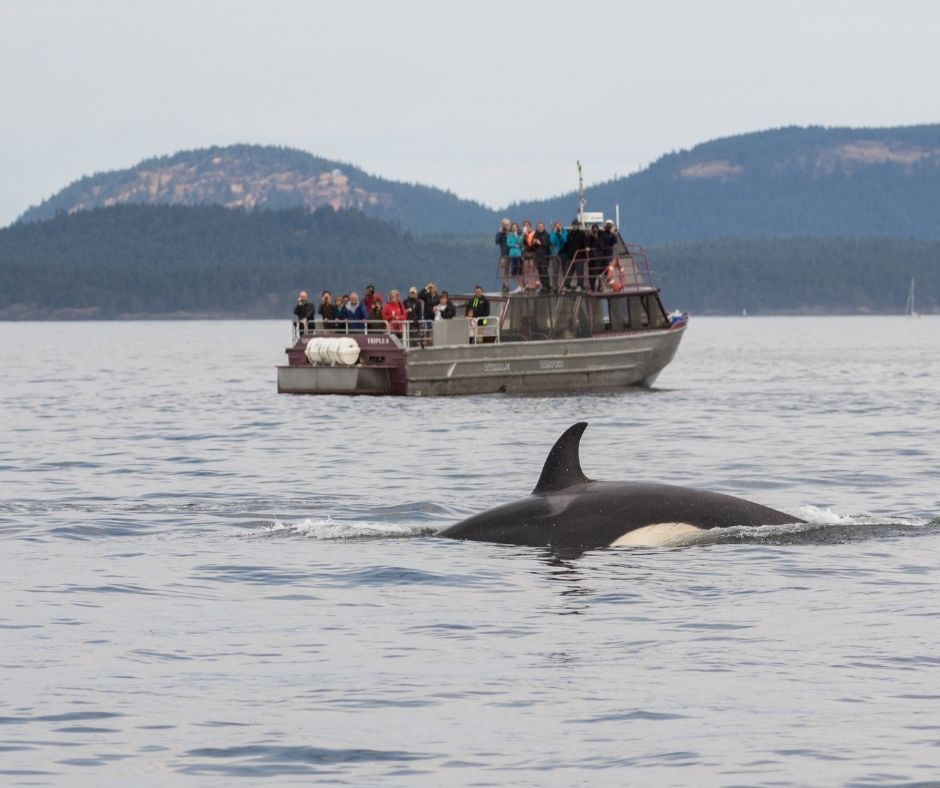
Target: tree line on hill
{"type": "Point", "coordinates": [137, 260]}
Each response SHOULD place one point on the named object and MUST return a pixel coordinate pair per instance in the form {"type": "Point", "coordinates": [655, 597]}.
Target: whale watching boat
{"type": "Point", "coordinates": [596, 323]}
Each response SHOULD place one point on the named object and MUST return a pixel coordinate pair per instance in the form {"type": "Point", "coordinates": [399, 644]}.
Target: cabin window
{"type": "Point", "coordinates": [656, 315]}
{"type": "Point", "coordinates": [638, 316]}
{"type": "Point", "coordinates": [545, 317]}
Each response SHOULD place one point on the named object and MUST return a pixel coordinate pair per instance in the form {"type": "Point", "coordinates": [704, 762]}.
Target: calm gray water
{"type": "Point", "coordinates": [206, 583]}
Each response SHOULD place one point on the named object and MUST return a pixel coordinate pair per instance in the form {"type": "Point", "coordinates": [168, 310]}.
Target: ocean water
{"type": "Point", "coordinates": [204, 582]}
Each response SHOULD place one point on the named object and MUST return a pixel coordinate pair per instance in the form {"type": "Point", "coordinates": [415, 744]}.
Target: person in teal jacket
{"type": "Point", "coordinates": [557, 239]}
{"type": "Point", "coordinates": [514, 245]}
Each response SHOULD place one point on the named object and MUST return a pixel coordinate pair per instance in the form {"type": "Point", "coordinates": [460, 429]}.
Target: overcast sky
{"type": "Point", "coordinates": [492, 100]}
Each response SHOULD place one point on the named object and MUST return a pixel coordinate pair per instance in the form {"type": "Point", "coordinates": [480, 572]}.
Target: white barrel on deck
{"type": "Point", "coordinates": [347, 351]}
{"type": "Point", "coordinates": [332, 350]}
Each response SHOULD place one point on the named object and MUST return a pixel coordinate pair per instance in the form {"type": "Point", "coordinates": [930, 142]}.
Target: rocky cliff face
{"type": "Point", "coordinates": [254, 176]}
{"type": "Point", "coordinates": [228, 179]}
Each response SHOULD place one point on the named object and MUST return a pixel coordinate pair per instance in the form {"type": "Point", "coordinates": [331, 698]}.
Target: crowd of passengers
{"type": "Point", "coordinates": [349, 313]}
{"type": "Point", "coordinates": [537, 259]}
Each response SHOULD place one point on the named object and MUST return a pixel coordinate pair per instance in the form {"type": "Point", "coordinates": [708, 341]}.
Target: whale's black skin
{"type": "Point", "coordinates": [569, 512]}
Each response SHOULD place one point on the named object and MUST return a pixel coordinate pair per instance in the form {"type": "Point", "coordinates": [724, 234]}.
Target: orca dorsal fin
{"type": "Point", "coordinates": [563, 465]}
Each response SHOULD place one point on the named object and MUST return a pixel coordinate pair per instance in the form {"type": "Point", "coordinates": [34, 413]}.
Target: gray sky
{"type": "Point", "coordinates": [492, 100]}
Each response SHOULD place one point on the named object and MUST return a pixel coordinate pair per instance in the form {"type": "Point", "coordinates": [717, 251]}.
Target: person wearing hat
{"type": "Point", "coordinates": [429, 297]}
{"type": "Point", "coordinates": [414, 308]}
{"type": "Point", "coordinates": [608, 241]}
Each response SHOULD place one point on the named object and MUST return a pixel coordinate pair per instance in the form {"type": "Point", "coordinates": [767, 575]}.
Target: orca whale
{"type": "Point", "coordinates": [570, 513]}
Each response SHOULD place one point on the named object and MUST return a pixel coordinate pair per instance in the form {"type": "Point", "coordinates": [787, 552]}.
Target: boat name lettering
{"type": "Point", "coordinates": [496, 366]}
{"type": "Point", "coordinates": [552, 363]}
{"type": "Point", "coordinates": [376, 340]}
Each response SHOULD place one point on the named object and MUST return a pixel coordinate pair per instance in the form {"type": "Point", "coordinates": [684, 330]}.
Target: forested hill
{"type": "Point", "coordinates": [271, 178]}
{"type": "Point", "coordinates": [791, 182]}
{"type": "Point", "coordinates": [141, 260]}
{"type": "Point", "coordinates": [168, 261]}
{"type": "Point", "coordinates": [783, 183]}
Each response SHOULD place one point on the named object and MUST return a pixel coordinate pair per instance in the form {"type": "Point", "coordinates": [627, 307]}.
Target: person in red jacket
{"type": "Point", "coordinates": [369, 297]}
{"type": "Point", "coordinates": [394, 312]}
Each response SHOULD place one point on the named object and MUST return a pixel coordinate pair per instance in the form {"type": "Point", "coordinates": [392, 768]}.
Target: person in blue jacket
{"type": "Point", "coordinates": [354, 312]}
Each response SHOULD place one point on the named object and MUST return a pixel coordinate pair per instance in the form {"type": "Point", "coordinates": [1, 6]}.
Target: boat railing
{"type": "Point", "coordinates": [404, 332]}
{"type": "Point", "coordinates": [484, 329]}
{"type": "Point", "coordinates": [409, 334]}
{"type": "Point", "coordinates": [591, 269]}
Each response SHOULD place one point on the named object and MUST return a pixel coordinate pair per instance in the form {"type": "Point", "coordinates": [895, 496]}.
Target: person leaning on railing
{"type": "Point", "coordinates": [304, 310]}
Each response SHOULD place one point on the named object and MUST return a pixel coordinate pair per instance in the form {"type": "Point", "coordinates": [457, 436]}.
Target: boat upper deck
{"type": "Point", "coordinates": [589, 301]}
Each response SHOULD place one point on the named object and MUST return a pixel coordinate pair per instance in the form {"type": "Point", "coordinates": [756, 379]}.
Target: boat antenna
{"type": "Point", "coordinates": [581, 199]}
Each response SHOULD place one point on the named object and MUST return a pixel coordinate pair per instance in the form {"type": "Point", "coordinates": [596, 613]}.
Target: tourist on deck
{"type": "Point", "coordinates": [444, 309]}
{"type": "Point", "coordinates": [414, 307]}
{"type": "Point", "coordinates": [527, 235]}
{"type": "Point", "coordinates": [394, 312]}
{"type": "Point", "coordinates": [556, 262]}
{"type": "Point", "coordinates": [327, 310]}
{"type": "Point", "coordinates": [503, 253]}
{"type": "Point", "coordinates": [341, 311]}
{"type": "Point", "coordinates": [476, 312]}
{"type": "Point", "coordinates": [374, 313]}
{"type": "Point", "coordinates": [369, 296]}
{"type": "Point", "coordinates": [304, 310]}
{"type": "Point", "coordinates": [355, 313]}
{"type": "Point", "coordinates": [596, 264]}
{"type": "Point", "coordinates": [514, 245]}
{"type": "Point", "coordinates": [577, 241]}
{"type": "Point", "coordinates": [478, 305]}
{"type": "Point", "coordinates": [609, 238]}
{"type": "Point", "coordinates": [430, 297]}
{"type": "Point", "coordinates": [541, 248]}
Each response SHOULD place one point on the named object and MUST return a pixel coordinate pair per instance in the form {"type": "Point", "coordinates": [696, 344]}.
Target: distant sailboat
{"type": "Point", "coordinates": [909, 309]}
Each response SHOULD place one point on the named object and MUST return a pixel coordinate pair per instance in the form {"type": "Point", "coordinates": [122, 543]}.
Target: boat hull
{"type": "Point", "coordinates": [566, 365]}
{"type": "Point", "coordinates": [333, 380]}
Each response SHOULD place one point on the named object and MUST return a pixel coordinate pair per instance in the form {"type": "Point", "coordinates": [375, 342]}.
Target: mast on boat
{"type": "Point", "coordinates": [582, 201]}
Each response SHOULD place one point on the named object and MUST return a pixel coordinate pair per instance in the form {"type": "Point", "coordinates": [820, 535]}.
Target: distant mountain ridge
{"type": "Point", "coordinates": [264, 177]}
{"type": "Point", "coordinates": [788, 182]}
